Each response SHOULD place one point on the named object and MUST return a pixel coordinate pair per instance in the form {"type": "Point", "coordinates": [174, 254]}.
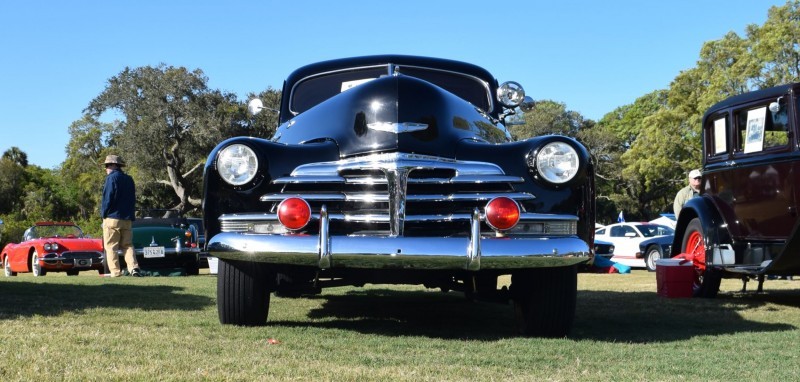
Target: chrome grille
{"type": "Point", "coordinates": [397, 194]}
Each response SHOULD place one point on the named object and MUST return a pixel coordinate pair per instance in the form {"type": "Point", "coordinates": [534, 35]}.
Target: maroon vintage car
{"type": "Point", "coordinates": [745, 222]}
{"type": "Point", "coordinates": [53, 247]}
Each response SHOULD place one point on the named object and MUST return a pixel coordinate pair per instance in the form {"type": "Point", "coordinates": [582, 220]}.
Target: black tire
{"type": "Point", "coordinates": [242, 293]}
{"type": "Point", "coordinates": [652, 254]}
{"type": "Point", "coordinates": [544, 300]}
{"type": "Point", "coordinates": [192, 269]}
{"type": "Point", "coordinates": [73, 273]}
{"type": "Point", "coordinates": [708, 281]}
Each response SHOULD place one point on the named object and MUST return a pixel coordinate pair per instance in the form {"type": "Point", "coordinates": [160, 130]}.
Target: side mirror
{"type": "Point", "coordinates": [255, 105]}
{"type": "Point", "coordinates": [527, 104]}
{"type": "Point", "coordinates": [775, 106]}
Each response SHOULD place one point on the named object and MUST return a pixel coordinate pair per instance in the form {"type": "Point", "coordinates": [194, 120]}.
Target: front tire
{"type": "Point", "coordinates": [242, 293]}
{"type": "Point", "coordinates": [707, 280]}
{"type": "Point", "coordinates": [7, 268]}
{"type": "Point", "coordinates": [544, 300]}
{"type": "Point", "coordinates": [652, 255]}
{"type": "Point", "coordinates": [36, 267]}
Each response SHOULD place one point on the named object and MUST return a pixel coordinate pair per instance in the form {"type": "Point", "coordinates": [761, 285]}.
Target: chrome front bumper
{"type": "Point", "coordinates": [372, 252]}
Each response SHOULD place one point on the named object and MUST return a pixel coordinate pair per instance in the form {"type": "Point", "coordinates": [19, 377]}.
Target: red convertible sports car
{"type": "Point", "coordinates": [53, 247]}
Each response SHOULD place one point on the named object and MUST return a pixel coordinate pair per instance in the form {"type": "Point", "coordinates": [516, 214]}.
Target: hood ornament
{"type": "Point", "coordinates": [153, 242]}
{"type": "Point", "coordinates": [397, 127]}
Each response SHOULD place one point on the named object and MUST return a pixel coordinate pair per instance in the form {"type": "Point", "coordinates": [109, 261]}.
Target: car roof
{"type": "Point", "coordinates": [776, 91]}
{"type": "Point", "coordinates": [326, 66]}
{"type": "Point", "coordinates": [376, 60]}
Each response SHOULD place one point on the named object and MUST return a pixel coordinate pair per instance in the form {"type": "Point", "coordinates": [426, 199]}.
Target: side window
{"type": "Point", "coordinates": [629, 230]}
{"type": "Point", "coordinates": [617, 231]}
{"type": "Point", "coordinates": [601, 231]}
{"type": "Point", "coordinates": [719, 136]}
{"type": "Point", "coordinates": [762, 127]}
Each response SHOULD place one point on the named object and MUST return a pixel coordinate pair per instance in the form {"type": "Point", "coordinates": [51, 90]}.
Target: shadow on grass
{"type": "Point", "coordinates": [636, 317]}
{"type": "Point", "coordinates": [22, 298]}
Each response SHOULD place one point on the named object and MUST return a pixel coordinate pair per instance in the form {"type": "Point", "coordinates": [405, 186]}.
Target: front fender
{"type": "Point", "coordinates": [715, 231]}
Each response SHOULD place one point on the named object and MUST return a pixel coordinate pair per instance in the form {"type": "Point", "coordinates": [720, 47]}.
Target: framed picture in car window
{"type": "Point", "coordinates": [720, 138]}
{"type": "Point", "coordinates": [754, 136]}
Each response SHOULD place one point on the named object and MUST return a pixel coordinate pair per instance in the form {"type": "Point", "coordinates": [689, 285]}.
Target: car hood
{"type": "Point", "coordinates": [392, 113]}
{"type": "Point", "coordinates": [663, 240]}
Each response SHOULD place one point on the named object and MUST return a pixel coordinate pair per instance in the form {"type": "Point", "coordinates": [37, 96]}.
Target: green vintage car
{"type": "Point", "coordinates": [163, 239]}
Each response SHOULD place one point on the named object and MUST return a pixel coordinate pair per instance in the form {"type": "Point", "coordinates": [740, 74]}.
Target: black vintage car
{"type": "Point", "coordinates": [398, 170]}
{"type": "Point", "coordinates": [745, 222]}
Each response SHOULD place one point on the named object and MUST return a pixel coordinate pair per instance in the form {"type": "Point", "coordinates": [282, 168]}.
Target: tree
{"type": "Point", "coordinates": [14, 154]}
{"type": "Point", "coordinates": [548, 117]}
{"type": "Point", "coordinates": [171, 121]}
{"type": "Point", "coordinates": [12, 182]}
{"type": "Point", "coordinates": [81, 174]}
{"type": "Point", "coordinates": [776, 46]}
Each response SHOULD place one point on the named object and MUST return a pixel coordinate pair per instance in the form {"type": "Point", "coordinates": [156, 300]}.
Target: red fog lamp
{"type": "Point", "coordinates": [502, 213]}
{"type": "Point", "coordinates": [294, 213]}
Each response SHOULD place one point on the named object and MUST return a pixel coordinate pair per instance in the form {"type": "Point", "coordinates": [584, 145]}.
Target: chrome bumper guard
{"type": "Point", "coordinates": [471, 253]}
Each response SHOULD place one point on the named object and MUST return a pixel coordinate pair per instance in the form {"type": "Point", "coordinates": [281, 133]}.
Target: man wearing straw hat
{"type": "Point", "coordinates": [117, 211]}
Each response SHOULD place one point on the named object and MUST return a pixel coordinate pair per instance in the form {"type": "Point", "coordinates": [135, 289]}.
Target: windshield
{"type": "Point", "coordinates": [652, 230]}
{"type": "Point", "coordinates": [313, 90]}
{"type": "Point", "coordinates": [45, 231]}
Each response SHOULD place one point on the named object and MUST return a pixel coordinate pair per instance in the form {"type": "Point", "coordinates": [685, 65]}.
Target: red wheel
{"type": "Point", "coordinates": [706, 282]}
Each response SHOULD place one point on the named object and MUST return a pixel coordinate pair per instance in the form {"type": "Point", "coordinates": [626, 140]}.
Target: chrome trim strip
{"type": "Point", "coordinates": [397, 179]}
{"type": "Point", "coordinates": [397, 127]}
{"type": "Point", "coordinates": [458, 179]}
{"type": "Point", "coordinates": [377, 198]}
{"type": "Point", "coordinates": [324, 240]}
{"type": "Point", "coordinates": [395, 160]}
{"type": "Point", "coordinates": [474, 253]}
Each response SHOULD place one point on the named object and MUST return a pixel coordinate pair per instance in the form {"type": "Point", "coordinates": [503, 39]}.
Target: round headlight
{"type": "Point", "coordinates": [237, 164]}
{"type": "Point", "coordinates": [557, 162]}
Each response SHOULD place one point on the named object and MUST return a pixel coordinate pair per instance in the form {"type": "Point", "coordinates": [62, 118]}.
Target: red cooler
{"type": "Point", "coordinates": [674, 278]}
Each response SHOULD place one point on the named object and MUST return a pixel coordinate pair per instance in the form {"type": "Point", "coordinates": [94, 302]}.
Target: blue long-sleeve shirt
{"type": "Point", "coordinates": [119, 197]}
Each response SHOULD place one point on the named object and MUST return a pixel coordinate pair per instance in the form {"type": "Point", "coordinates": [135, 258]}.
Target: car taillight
{"type": "Point", "coordinates": [502, 213]}
{"type": "Point", "coordinates": [188, 234]}
{"type": "Point", "coordinates": [294, 213]}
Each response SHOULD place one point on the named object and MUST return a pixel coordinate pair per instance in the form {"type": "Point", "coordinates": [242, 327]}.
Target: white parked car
{"type": "Point", "coordinates": [637, 244]}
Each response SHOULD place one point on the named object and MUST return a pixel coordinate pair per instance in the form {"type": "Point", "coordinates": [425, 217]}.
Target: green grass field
{"type": "Point", "coordinates": [166, 328]}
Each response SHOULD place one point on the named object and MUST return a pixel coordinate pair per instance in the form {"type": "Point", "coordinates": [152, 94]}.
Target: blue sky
{"type": "Point", "coordinates": [591, 55]}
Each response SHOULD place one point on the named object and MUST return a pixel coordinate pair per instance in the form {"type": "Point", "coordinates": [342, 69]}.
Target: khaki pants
{"type": "Point", "coordinates": [118, 239]}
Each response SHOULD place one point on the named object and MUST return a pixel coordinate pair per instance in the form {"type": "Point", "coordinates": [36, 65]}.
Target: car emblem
{"type": "Point", "coordinates": [397, 127]}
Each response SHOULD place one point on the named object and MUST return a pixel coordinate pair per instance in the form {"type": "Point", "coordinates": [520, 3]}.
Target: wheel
{"type": "Point", "coordinates": [544, 300]}
{"type": "Point", "coordinates": [651, 256]}
{"type": "Point", "coordinates": [73, 273]}
{"type": "Point", "coordinates": [7, 268]}
{"type": "Point", "coordinates": [192, 269]}
{"type": "Point", "coordinates": [242, 293]}
{"type": "Point", "coordinates": [707, 280]}
{"type": "Point", "coordinates": [36, 267]}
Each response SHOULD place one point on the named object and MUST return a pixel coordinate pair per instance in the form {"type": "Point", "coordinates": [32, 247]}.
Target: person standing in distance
{"type": "Point", "coordinates": [118, 213]}
{"type": "Point", "coordinates": [688, 192]}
